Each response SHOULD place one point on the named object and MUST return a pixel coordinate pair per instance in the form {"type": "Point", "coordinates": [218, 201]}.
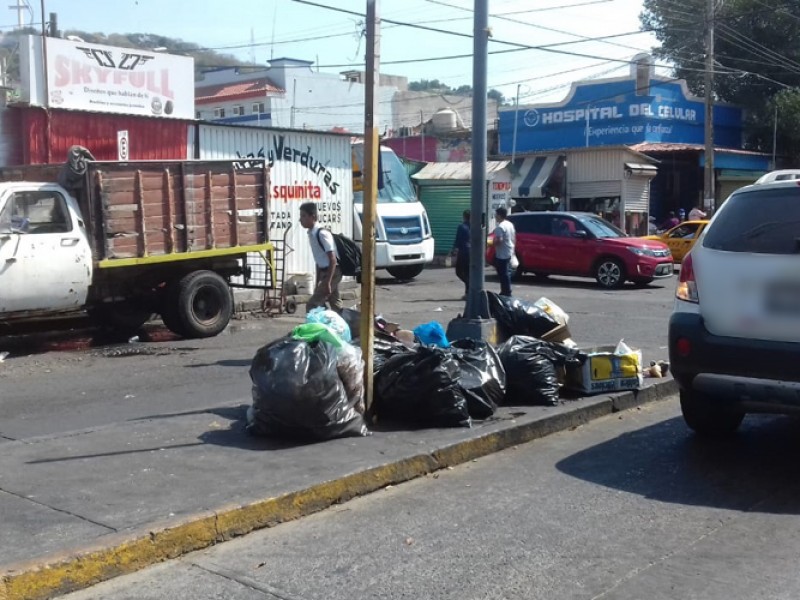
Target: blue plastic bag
{"type": "Point", "coordinates": [432, 334]}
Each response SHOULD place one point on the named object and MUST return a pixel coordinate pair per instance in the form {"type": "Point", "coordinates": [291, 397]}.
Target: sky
{"type": "Point", "coordinates": [257, 30]}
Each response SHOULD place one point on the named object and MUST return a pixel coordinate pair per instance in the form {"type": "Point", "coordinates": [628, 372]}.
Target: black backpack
{"type": "Point", "coordinates": [349, 254]}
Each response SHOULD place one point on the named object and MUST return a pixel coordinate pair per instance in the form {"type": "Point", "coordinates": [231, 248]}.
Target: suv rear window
{"type": "Point", "coordinates": [758, 221]}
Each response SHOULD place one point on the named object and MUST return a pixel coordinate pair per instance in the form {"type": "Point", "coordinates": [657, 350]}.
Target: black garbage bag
{"type": "Point", "coordinates": [422, 387]}
{"type": "Point", "coordinates": [383, 348]}
{"type": "Point", "coordinates": [297, 393]}
{"type": "Point", "coordinates": [530, 366]}
{"type": "Point", "coordinates": [483, 378]}
{"type": "Point", "coordinates": [517, 317]}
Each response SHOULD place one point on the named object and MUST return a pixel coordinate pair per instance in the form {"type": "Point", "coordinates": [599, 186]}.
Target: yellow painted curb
{"type": "Point", "coordinates": [119, 554]}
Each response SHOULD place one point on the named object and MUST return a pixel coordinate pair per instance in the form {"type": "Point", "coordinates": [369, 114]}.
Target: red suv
{"type": "Point", "coordinates": [584, 245]}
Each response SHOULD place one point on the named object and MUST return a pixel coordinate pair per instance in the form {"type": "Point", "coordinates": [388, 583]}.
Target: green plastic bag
{"type": "Point", "coordinates": [312, 332]}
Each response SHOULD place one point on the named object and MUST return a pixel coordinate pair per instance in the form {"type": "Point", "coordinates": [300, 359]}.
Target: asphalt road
{"type": "Point", "coordinates": [76, 386]}
{"type": "Point", "coordinates": [630, 506]}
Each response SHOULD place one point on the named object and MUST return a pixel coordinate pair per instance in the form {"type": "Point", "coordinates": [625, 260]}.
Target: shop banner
{"type": "Point", "coordinates": [82, 76]}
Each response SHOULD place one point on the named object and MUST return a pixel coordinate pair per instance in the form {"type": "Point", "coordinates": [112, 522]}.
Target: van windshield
{"type": "Point", "coordinates": [397, 187]}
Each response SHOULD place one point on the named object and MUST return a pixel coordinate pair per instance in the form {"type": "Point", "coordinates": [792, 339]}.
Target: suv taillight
{"type": "Point", "coordinates": [687, 285]}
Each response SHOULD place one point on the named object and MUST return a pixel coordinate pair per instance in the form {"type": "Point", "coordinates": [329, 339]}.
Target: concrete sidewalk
{"type": "Point", "coordinates": [82, 507]}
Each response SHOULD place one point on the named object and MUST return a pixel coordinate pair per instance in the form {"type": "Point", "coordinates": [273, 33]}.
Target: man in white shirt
{"type": "Point", "coordinates": [323, 247]}
{"type": "Point", "coordinates": [504, 240]}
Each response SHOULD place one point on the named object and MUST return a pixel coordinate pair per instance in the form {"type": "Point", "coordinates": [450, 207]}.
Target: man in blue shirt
{"type": "Point", "coordinates": [461, 248]}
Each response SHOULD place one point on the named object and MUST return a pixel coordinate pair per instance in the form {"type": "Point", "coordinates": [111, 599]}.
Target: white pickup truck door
{"type": "Point", "coordinates": [45, 256]}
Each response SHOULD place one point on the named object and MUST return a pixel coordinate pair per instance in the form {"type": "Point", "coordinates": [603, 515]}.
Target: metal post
{"type": "Point", "coordinates": [775, 139]}
{"type": "Point", "coordinates": [370, 169]}
{"type": "Point", "coordinates": [47, 142]}
{"type": "Point", "coordinates": [476, 300]}
{"type": "Point", "coordinates": [708, 185]}
{"type": "Point", "coordinates": [514, 134]}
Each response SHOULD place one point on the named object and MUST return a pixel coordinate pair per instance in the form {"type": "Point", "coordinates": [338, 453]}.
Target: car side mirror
{"type": "Point", "coordinates": [581, 234]}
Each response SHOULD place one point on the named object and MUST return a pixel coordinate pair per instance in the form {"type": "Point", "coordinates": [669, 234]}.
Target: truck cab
{"type": "Point", "coordinates": [404, 244]}
{"type": "Point", "coordinates": [45, 256]}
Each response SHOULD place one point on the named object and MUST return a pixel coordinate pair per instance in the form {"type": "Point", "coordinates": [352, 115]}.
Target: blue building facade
{"type": "Point", "coordinates": [617, 112]}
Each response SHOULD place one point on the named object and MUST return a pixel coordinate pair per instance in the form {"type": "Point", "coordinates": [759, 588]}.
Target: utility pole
{"type": "Point", "coordinates": [708, 186]}
{"type": "Point", "coordinates": [476, 323]}
{"type": "Point", "coordinates": [514, 133]}
{"type": "Point", "coordinates": [20, 8]}
{"type": "Point", "coordinates": [370, 169]}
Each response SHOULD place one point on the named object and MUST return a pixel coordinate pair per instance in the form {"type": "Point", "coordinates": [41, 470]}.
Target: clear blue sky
{"type": "Point", "coordinates": [331, 39]}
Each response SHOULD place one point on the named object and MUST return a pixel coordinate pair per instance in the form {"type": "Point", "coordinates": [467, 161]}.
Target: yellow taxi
{"type": "Point", "coordinates": [680, 238]}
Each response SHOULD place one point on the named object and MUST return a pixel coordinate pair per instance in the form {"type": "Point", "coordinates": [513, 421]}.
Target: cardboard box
{"type": "Point", "coordinates": [605, 371]}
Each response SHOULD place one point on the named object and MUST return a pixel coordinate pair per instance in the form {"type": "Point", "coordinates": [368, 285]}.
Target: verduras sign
{"type": "Point", "coordinates": [94, 77]}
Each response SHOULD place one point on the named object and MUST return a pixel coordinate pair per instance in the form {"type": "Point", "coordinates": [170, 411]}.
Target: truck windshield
{"type": "Point", "coordinates": [397, 187]}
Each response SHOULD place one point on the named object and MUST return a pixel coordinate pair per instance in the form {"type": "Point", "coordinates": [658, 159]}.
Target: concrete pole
{"type": "Point", "coordinates": [514, 134]}
{"type": "Point", "coordinates": [370, 169]}
{"type": "Point", "coordinates": [477, 306]}
{"type": "Point", "coordinates": [708, 185]}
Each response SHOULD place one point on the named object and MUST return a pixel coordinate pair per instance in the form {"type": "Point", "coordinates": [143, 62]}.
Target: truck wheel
{"type": "Point", "coordinates": [406, 271]}
{"type": "Point", "coordinates": [708, 418]}
{"type": "Point", "coordinates": [203, 304]}
{"type": "Point", "coordinates": [169, 314]}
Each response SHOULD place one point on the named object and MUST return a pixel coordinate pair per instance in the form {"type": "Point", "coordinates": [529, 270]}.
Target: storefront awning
{"type": "Point", "coordinates": [645, 169]}
{"type": "Point", "coordinates": [534, 173]}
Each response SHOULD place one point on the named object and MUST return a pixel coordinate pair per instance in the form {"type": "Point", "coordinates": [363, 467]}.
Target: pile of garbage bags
{"type": "Point", "coordinates": [309, 384]}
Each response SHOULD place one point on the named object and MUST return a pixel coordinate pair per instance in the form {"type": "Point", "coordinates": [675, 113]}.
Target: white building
{"type": "Point", "coordinates": [290, 94]}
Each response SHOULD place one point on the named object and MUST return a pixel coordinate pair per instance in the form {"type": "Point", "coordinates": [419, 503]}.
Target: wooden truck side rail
{"type": "Point", "coordinates": [144, 212]}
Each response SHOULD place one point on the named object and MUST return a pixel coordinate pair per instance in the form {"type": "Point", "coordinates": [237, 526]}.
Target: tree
{"type": "Point", "coordinates": [434, 85]}
{"type": "Point", "coordinates": [757, 54]}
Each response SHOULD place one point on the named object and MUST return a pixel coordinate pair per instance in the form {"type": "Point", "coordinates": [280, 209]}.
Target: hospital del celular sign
{"type": "Point", "coordinates": [614, 112]}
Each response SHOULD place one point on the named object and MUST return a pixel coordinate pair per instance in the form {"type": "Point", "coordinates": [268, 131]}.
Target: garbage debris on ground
{"type": "Point", "coordinates": [483, 378]}
{"type": "Point", "coordinates": [518, 317]}
{"type": "Point", "coordinates": [3, 356]}
{"type": "Point", "coordinates": [299, 391]}
{"type": "Point", "coordinates": [532, 367]}
{"type": "Point", "coordinates": [607, 369]}
{"type": "Point", "coordinates": [422, 387]}
{"type": "Point", "coordinates": [310, 384]}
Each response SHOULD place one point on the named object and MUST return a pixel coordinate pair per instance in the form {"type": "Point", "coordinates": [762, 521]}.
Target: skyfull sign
{"type": "Point", "coordinates": [612, 113]}
{"type": "Point", "coordinates": [100, 78]}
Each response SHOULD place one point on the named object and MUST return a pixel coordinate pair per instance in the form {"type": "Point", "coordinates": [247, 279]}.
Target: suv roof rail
{"type": "Point", "coordinates": [781, 175]}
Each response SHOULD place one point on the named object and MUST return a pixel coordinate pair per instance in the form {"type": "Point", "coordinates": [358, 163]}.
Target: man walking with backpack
{"type": "Point", "coordinates": [323, 247]}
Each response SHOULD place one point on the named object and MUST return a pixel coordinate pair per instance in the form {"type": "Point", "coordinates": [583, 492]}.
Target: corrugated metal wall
{"type": "Point", "coordinates": [445, 205]}
{"type": "Point", "coordinates": [305, 167]}
{"type": "Point", "coordinates": [591, 189]}
{"type": "Point", "coordinates": [637, 194]}
{"type": "Point", "coordinates": [596, 165]}
{"type": "Point", "coordinates": [149, 138]}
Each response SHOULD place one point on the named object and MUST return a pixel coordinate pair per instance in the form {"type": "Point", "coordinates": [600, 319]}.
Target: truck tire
{"type": "Point", "coordinates": [203, 305]}
{"type": "Point", "coordinates": [406, 271]}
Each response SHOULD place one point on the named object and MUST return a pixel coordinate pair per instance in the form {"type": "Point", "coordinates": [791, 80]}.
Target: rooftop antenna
{"type": "Point", "coordinates": [272, 43]}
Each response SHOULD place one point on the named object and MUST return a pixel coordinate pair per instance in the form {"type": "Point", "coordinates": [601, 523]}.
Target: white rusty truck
{"type": "Point", "coordinates": [122, 241]}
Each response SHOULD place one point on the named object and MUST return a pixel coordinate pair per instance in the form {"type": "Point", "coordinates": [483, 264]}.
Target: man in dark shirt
{"type": "Point", "coordinates": [461, 251]}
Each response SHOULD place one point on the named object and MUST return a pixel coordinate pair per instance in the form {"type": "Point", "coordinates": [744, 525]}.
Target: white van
{"type": "Point", "coordinates": [404, 244]}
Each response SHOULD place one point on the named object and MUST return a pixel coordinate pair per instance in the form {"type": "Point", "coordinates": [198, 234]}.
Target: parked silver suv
{"type": "Point", "coordinates": [734, 334]}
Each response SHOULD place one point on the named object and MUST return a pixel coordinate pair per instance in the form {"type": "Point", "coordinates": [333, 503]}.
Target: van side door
{"type": "Point", "coordinates": [45, 256]}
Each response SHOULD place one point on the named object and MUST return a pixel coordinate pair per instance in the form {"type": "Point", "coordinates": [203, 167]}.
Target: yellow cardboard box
{"type": "Point", "coordinates": [607, 369]}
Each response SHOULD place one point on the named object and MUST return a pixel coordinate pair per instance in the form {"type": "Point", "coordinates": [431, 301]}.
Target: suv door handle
{"type": "Point", "coordinates": [70, 241]}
